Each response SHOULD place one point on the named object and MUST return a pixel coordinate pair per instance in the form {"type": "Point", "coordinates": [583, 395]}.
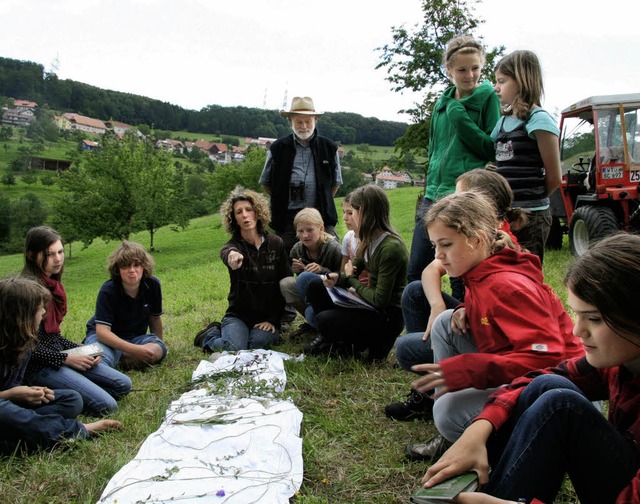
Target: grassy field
{"type": "Point", "coordinates": [352, 452]}
{"type": "Point", "coordinates": [52, 150]}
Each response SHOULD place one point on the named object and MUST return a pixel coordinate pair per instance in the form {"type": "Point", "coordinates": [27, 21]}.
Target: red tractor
{"type": "Point", "coordinates": [600, 153]}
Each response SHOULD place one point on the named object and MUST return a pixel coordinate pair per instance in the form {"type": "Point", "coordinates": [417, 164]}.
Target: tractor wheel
{"type": "Point", "coordinates": [588, 225]}
{"type": "Point", "coordinates": [554, 240]}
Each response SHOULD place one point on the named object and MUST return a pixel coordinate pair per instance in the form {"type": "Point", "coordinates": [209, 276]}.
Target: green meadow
{"type": "Point", "coordinates": [352, 452]}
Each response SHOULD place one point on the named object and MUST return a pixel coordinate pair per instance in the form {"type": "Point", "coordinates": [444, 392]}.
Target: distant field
{"type": "Point", "coordinates": [208, 137]}
{"type": "Point", "coordinates": [46, 193]}
{"type": "Point", "coordinates": [54, 150]}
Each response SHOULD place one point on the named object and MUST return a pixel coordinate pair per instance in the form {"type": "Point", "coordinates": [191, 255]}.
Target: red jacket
{"type": "Point", "coordinates": [617, 385]}
{"type": "Point", "coordinates": [517, 322]}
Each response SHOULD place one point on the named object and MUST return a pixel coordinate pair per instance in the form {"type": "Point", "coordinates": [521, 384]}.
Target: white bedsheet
{"type": "Point", "coordinates": [251, 450]}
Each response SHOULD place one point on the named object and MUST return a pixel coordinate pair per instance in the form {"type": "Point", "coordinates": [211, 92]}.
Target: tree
{"type": "Point", "coordinates": [144, 129]}
{"type": "Point", "coordinates": [198, 194]}
{"type": "Point", "coordinates": [48, 179]}
{"type": "Point", "coordinates": [266, 130]}
{"type": "Point", "coordinates": [30, 178]}
{"type": "Point", "coordinates": [67, 229]}
{"type": "Point", "coordinates": [229, 140]}
{"type": "Point", "coordinates": [5, 221]}
{"type": "Point", "coordinates": [23, 160]}
{"type": "Point", "coordinates": [26, 212]}
{"type": "Point", "coordinates": [351, 179]}
{"type": "Point", "coordinates": [413, 60]}
{"type": "Point", "coordinates": [246, 173]}
{"type": "Point", "coordinates": [162, 199]}
{"type": "Point", "coordinates": [6, 132]}
{"type": "Point", "coordinates": [9, 178]}
{"type": "Point", "coordinates": [123, 187]}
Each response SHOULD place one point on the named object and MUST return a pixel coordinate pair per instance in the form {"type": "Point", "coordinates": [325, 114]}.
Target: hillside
{"type": "Point", "coordinates": [27, 80]}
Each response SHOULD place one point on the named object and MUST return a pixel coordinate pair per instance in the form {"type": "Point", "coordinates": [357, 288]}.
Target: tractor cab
{"type": "Point", "coordinates": [600, 155]}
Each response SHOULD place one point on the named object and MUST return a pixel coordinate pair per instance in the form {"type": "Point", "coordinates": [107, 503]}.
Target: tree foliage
{"type": "Point", "coordinates": [124, 187]}
{"type": "Point", "coordinates": [246, 174]}
{"type": "Point", "coordinates": [413, 59]}
{"type": "Point", "coordinates": [16, 218]}
{"type": "Point", "coordinates": [351, 180]}
{"type": "Point", "coordinates": [9, 179]}
{"type": "Point", "coordinates": [5, 221]}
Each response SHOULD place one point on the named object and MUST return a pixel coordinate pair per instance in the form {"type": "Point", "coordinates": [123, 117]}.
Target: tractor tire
{"type": "Point", "coordinates": [588, 225]}
{"type": "Point", "coordinates": [554, 240]}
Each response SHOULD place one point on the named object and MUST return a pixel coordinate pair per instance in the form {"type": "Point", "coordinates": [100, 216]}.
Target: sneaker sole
{"type": "Point", "coordinates": [409, 418]}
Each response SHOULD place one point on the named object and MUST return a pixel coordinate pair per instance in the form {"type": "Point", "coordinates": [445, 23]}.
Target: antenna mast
{"type": "Point", "coordinates": [55, 65]}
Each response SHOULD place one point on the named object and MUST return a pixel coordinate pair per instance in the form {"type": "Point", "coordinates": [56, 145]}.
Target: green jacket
{"type": "Point", "coordinates": [459, 137]}
{"type": "Point", "coordinates": [387, 268]}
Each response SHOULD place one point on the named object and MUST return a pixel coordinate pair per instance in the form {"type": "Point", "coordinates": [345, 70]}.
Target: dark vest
{"type": "Point", "coordinates": [518, 160]}
{"type": "Point", "coordinates": [283, 152]}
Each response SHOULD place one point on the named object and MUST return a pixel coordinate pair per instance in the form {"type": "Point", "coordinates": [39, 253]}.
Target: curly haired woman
{"type": "Point", "coordinates": [257, 261]}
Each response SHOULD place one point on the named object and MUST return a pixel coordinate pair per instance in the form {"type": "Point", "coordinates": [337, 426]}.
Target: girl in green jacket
{"type": "Point", "coordinates": [459, 136]}
{"type": "Point", "coordinates": [381, 251]}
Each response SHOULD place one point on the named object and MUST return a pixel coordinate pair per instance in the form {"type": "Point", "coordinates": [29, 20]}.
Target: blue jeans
{"type": "Point", "coordinates": [43, 426]}
{"type": "Point", "coordinates": [416, 309]}
{"type": "Point", "coordinates": [112, 356]}
{"type": "Point", "coordinates": [99, 386]}
{"type": "Point", "coordinates": [411, 349]}
{"type": "Point", "coordinates": [554, 429]}
{"type": "Point", "coordinates": [422, 251]}
{"type": "Point", "coordinates": [234, 335]}
{"type": "Point", "coordinates": [302, 283]}
{"type": "Point", "coordinates": [453, 412]}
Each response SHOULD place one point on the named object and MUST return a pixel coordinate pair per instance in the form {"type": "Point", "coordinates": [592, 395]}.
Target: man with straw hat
{"type": "Point", "coordinates": [301, 170]}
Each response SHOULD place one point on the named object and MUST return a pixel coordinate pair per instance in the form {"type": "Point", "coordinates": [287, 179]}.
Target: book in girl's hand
{"type": "Point", "coordinates": [447, 490]}
{"type": "Point", "coordinates": [92, 349]}
{"type": "Point", "coordinates": [348, 299]}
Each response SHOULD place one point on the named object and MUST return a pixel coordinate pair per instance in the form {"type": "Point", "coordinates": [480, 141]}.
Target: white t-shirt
{"type": "Point", "coordinates": [350, 245]}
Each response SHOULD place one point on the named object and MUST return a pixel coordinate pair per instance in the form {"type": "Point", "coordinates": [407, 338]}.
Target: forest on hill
{"type": "Point", "coordinates": [29, 81]}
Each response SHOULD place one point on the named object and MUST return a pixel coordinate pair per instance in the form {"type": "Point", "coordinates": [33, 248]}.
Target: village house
{"type": "Point", "coordinates": [389, 179]}
{"type": "Point", "coordinates": [217, 152]}
{"type": "Point", "coordinates": [170, 145]}
{"type": "Point", "coordinates": [119, 128]}
{"type": "Point", "coordinates": [237, 152]}
{"type": "Point", "coordinates": [22, 114]}
{"type": "Point", "coordinates": [89, 145]}
{"type": "Point", "coordinates": [79, 122]}
{"type": "Point", "coordinates": [15, 117]}
{"type": "Point", "coordinates": [25, 105]}
{"type": "Point", "coordinates": [62, 122]}
{"type": "Point", "coordinates": [263, 142]}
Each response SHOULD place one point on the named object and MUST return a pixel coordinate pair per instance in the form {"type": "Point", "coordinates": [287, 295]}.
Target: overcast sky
{"type": "Point", "coordinates": [194, 53]}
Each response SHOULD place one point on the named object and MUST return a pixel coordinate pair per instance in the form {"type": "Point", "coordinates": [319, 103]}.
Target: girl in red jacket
{"type": "Point", "coordinates": [510, 322]}
{"type": "Point", "coordinates": [544, 424]}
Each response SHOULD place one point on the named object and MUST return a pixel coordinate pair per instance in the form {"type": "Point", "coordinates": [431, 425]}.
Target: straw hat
{"type": "Point", "coordinates": [302, 106]}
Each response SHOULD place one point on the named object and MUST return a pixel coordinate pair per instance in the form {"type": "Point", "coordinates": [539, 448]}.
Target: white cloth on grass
{"type": "Point", "coordinates": [250, 451]}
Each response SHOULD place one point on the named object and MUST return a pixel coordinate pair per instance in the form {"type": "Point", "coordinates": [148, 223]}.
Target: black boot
{"type": "Point", "coordinates": [417, 405]}
{"type": "Point", "coordinates": [319, 346]}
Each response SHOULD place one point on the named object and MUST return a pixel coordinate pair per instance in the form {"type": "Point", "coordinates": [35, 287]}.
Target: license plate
{"type": "Point", "coordinates": [612, 172]}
